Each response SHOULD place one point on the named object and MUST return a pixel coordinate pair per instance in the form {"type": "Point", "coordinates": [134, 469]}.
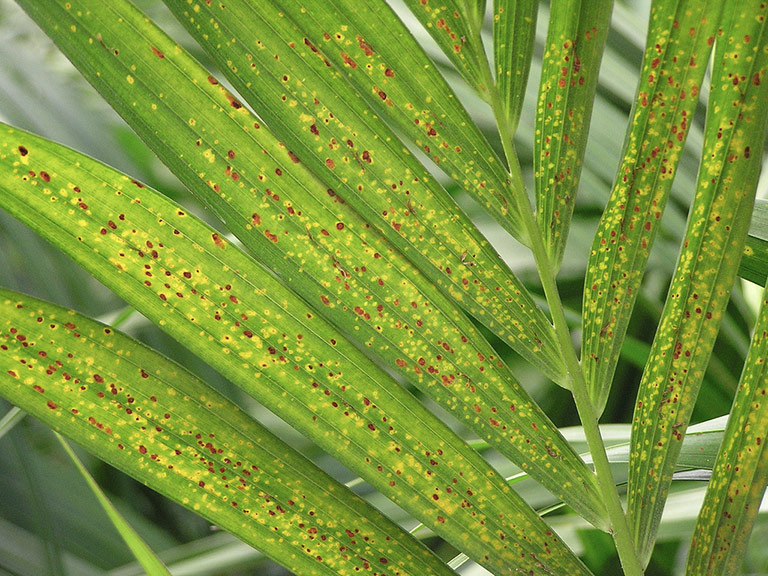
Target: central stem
{"type": "Point", "coordinates": [620, 529]}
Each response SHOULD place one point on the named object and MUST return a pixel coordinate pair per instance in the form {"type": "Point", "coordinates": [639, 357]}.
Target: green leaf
{"type": "Point", "coordinates": [192, 283]}
{"type": "Point", "coordinates": [143, 553]}
{"type": "Point", "coordinates": [283, 67]}
{"type": "Point", "coordinates": [754, 262]}
{"type": "Point", "coordinates": [455, 25]}
{"type": "Point", "coordinates": [681, 35]}
{"type": "Point", "coordinates": [514, 36]}
{"type": "Point", "coordinates": [367, 46]}
{"type": "Point", "coordinates": [574, 49]}
{"type": "Point", "coordinates": [155, 421]}
{"type": "Point", "coordinates": [717, 227]}
{"type": "Point", "coordinates": [741, 470]}
{"type": "Point", "coordinates": [324, 250]}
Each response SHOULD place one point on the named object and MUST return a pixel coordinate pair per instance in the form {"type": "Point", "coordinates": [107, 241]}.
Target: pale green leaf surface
{"type": "Point", "coordinates": [717, 228]}
{"type": "Point", "coordinates": [455, 25]}
{"type": "Point", "coordinates": [330, 256]}
{"type": "Point", "coordinates": [514, 36]}
{"type": "Point", "coordinates": [754, 262]}
{"type": "Point", "coordinates": [682, 34]}
{"type": "Point", "coordinates": [308, 104]}
{"type": "Point", "coordinates": [740, 472]}
{"type": "Point", "coordinates": [573, 51]}
{"type": "Point", "coordinates": [211, 297]}
{"type": "Point", "coordinates": [369, 47]}
{"type": "Point", "coordinates": [143, 553]}
{"type": "Point", "coordinates": [150, 418]}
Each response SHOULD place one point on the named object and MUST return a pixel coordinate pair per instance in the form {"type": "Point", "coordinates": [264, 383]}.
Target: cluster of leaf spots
{"type": "Point", "coordinates": [569, 79]}
{"type": "Point", "coordinates": [191, 282]}
{"type": "Point", "coordinates": [150, 418]}
{"type": "Point", "coordinates": [422, 106]}
{"type": "Point", "coordinates": [673, 69]}
{"type": "Point", "coordinates": [699, 293]}
{"type": "Point", "coordinates": [312, 237]}
{"type": "Point", "coordinates": [340, 265]}
{"type": "Point", "coordinates": [455, 26]}
{"type": "Point", "coordinates": [286, 78]}
{"type": "Point", "coordinates": [741, 471]}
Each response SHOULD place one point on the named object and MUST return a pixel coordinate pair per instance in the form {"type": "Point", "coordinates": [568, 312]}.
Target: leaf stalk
{"type": "Point", "coordinates": [619, 527]}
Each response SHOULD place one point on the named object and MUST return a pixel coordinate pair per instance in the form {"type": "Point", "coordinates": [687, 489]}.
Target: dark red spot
{"type": "Point", "coordinates": [23, 151]}
{"type": "Point", "coordinates": [157, 52]}
{"type": "Point", "coordinates": [45, 176]}
{"type": "Point", "coordinates": [52, 405]}
{"type": "Point", "coordinates": [217, 240]}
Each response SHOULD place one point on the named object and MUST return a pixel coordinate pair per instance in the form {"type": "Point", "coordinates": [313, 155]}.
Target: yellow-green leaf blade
{"type": "Point", "coordinates": [681, 34]}
{"type": "Point", "coordinates": [155, 421]}
{"type": "Point", "coordinates": [455, 25]}
{"type": "Point", "coordinates": [141, 551]}
{"type": "Point", "coordinates": [741, 469]}
{"type": "Point", "coordinates": [330, 256]}
{"type": "Point", "coordinates": [707, 265]}
{"type": "Point", "coordinates": [574, 49]}
{"type": "Point", "coordinates": [372, 50]}
{"type": "Point", "coordinates": [514, 35]}
{"type": "Point", "coordinates": [211, 297]}
{"type": "Point", "coordinates": [308, 105]}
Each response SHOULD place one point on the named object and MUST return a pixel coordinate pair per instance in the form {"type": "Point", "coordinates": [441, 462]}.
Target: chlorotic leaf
{"type": "Point", "coordinates": [190, 281]}
{"type": "Point", "coordinates": [740, 472]}
{"type": "Point", "coordinates": [514, 35]}
{"type": "Point", "coordinates": [455, 25]}
{"type": "Point", "coordinates": [717, 228]}
{"type": "Point", "coordinates": [575, 43]}
{"type": "Point", "coordinates": [155, 421]}
{"type": "Point", "coordinates": [285, 71]}
{"type": "Point", "coordinates": [681, 35]}
{"type": "Point", "coordinates": [323, 249]}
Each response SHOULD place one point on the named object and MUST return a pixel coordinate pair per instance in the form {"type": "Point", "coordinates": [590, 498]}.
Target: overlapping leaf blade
{"type": "Point", "coordinates": [141, 551]}
{"type": "Point", "coordinates": [514, 36]}
{"type": "Point", "coordinates": [207, 294]}
{"type": "Point", "coordinates": [681, 35]}
{"type": "Point", "coordinates": [575, 42]}
{"type": "Point", "coordinates": [383, 63]}
{"type": "Point", "coordinates": [155, 421]}
{"type": "Point", "coordinates": [717, 228]}
{"type": "Point", "coordinates": [740, 472]}
{"type": "Point", "coordinates": [284, 76]}
{"type": "Point", "coordinates": [455, 25]}
{"type": "Point", "coordinates": [300, 234]}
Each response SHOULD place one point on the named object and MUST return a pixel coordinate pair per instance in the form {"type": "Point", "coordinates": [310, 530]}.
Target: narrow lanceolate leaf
{"type": "Point", "coordinates": [155, 421]}
{"type": "Point", "coordinates": [306, 101]}
{"type": "Point", "coordinates": [514, 34]}
{"type": "Point", "coordinates": [713, 244]}
{"type": "Point", "coordinates": [741, 470]}
{"type": "Point", "coordinates": [370, 47]}
{"type": "Point", "coordinates": [455, 25]}
{"type": "Point", "coordinates": [754, 263]}
{"type": "Point", "coordinates": [574, 48]}
{"type": "Point", "coordinates": [681, 35]}
{"type": "Point", "coordinates": [140, 550]}
{"type": "Point", "coordinates": [320, 247]}
{"type": "Point", "coordinates": [210, 296]}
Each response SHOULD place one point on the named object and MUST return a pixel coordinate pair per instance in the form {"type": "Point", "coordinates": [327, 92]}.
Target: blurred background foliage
{"type": "Point", "coordinates": [49, 521]}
